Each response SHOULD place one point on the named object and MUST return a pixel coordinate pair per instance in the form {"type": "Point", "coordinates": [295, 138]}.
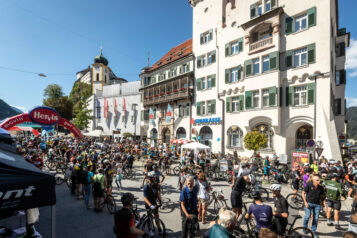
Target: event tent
{"type": "Point", "coordinates": [195, 146]}
{"type": "Point", "coordinates": [95, 133]}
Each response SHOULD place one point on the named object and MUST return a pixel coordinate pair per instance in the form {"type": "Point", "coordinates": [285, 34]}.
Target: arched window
{"type": "Point", "coordinates": [153, 134]}
{"type": "Point", "coordinates": [206, 136]}
{"type": "Point", "coordinates": [181, 133]}
{"type": "Point", "coordinates": [303, 134]}
{"type": "Point", "coordinates": [235, 137]}
{"type": "Point", "coordinates": [98, 109]}
{"type": "Point", "coordinates": [97, 77]}
{"type": "Point", "coordinates": [265, 129]}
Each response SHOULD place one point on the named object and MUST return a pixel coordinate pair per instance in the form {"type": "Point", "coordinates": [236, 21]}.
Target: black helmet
{"type": "Point", "coordinates": [255, 194]}
{"type": "Point", "coordinates": [127, 198]}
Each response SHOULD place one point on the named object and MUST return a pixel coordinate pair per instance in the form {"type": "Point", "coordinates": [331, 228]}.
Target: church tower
{"type": "Point", "coordinates": [100, 72]}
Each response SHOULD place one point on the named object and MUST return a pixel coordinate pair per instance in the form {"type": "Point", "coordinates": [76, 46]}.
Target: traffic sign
{"type": "Point", "coordinates": [319, 151]}
{"type": "Point", "coordinates": [310, 143]}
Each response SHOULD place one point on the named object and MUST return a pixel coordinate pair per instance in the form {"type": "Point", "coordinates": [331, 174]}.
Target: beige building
{"type": "Point", "coordinates": [278, 67]}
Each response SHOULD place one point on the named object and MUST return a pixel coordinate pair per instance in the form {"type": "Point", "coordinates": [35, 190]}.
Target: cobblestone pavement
{"type": "Point", "coordinates": [73, 220]}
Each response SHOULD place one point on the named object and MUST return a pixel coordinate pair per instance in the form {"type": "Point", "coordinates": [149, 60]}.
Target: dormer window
{"type": "Point", "coordinates": [261, 7]}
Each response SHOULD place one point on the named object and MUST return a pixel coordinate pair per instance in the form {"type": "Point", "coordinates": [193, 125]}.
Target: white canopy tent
{"type": "Point", "coordinates": [95, 133]}
{"type": "Point", "coordinates": [195, 146]}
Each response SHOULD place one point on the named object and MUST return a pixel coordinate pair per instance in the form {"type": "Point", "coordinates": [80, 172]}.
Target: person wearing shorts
{"type": "Point", "coordinates": [203, 197]}
{"type": "Point", "coordinates": [238, 187]}
{"type": "Point", "coordinates": [333, 200]}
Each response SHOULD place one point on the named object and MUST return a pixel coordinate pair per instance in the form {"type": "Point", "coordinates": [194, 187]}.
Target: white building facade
{"type": "Point", "coordinates": [278, 67]}
{"type": "Point", "coordinates": [167, 92]}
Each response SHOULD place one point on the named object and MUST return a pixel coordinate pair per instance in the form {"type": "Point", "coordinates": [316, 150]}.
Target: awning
{"type": "Point", "coordinates": [180, 141]}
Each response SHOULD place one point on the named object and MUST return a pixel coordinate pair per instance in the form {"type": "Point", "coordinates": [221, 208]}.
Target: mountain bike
{"type": "Point", "coordinates": [109, 201]}
{"type": "Point", "coordinates": [295, 201]}
{"type": "Point", "coordinates": [149, 225]}
{"type": "Point", "coordinates": [218, 201]}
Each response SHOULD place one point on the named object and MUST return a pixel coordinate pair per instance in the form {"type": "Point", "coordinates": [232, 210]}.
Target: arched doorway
{"type": "Point", "coordinates": [206, 136]}
{"type": "Point", "coordinates": [153, 136]}
{"type": "Point", "coordinates": [181, 133]}
{"type": "Point", "coordinates": [166, 135]}
{"type": "Point", "coordinates": [303, 134]}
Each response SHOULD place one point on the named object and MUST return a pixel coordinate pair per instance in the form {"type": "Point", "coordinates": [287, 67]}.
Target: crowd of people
{"type": "Point", "coordinates": [93, 168]}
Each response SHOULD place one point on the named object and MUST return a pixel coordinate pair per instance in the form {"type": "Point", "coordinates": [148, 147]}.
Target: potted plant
{"type": "Point", "coordinates": [183, 89]}
{"type": "Point", "coordinates": [162, 94]}
{"type": "Point", "coordinates": [168, 92]}
{"type": "Point", "coordinates": [175, 90]}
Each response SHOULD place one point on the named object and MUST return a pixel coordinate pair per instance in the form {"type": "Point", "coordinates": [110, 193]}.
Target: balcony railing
{"type": "Point", "coordinates": [261, 44]}
{"type": "Point", "coordinates": [173, 95]}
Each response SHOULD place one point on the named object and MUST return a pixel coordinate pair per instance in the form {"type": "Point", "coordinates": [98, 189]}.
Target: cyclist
{"type": "Point", "coordinates": [350, 181]}
{"type": "Point", "coordinates": [151, 197]}
{"type": "Point", "coordinates": [281, 210]}
{"type": "Point", "coordinates": [99, 184]}
{"type": "Point", "coordinates": [109, 174]}
{"type": "Point", "coordinates": [148, 167]}
{"type": "Point", "coordinates": [263, 214]}
{"type": "Point", "coordinates": [266, 166]}
{"type": "Point", "coordinates": [238, 186]}
{"type": "Point", "coordinates": [296, 179]}
{"type": "Point", "coordinates": [333, 200]}
{"type": "Point", "coordinates": [124, 223]}
{"type": "Point", "coordinates": [157, 175]}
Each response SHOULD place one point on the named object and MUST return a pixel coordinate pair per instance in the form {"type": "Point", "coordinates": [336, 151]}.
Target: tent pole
{"type": "Point", "coordinates": [53, 221]}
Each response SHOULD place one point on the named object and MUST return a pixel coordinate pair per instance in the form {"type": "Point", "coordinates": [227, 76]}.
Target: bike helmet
{"type": "Point", "coordinates": [275, 187]}
{"type": "Point", "coordinates": [251, 178]}
{"type": "Point", "coordinates": [127, 198]}
{"type": "Point", "coordinates": [255, 194]}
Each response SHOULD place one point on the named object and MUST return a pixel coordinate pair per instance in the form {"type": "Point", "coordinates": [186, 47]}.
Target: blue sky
{"type": "Point", "coordinates": [60, 38]}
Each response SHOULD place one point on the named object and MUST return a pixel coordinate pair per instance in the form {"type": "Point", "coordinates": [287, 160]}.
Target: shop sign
{"type": "Point", "coordinates": [44, 116]}
{"type": "Point", "coordinates": [213, 120]}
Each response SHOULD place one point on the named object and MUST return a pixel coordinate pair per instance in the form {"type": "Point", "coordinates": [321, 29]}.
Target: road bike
{"type": "Point", "coordinates": [109, 201]}
{"type": "Point", "coordinates": [148, 224]}
{"type": "Point", "coordinates": [218, 201]}
{"type": "Point", "coordinates": [295, 201]}
{"type": "Point", "coordinates": [264, 194]}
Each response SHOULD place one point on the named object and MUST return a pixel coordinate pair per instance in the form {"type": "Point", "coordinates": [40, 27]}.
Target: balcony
{"type": "Point", "coordinates": [261, 45]}
{"type": "Point", "coordinates": [169, 96]}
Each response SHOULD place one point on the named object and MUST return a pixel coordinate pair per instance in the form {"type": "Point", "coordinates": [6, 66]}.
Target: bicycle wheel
{"type": "Point", "coordinates": [149, 226]}
{"type": "Point", "coordinates": [295, 201]}
{"type": "Point", "coordinates": [218, 204]}
{"type": "Point", "coordinates": [264, 194]}
{"type": "Point", "coordinates": [111, 205]}
{"type": "Point", "coordinates": [176, 170]}
{"type": "Point", "coordinates": [302, 232]}
{"type": "Point", "coordinates": [59, 179]}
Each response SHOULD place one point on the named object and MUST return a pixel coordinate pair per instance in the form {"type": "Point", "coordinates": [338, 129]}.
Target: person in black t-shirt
{"type": "Point", "coordinates": [238, 186]}
{"type": "Point", "coordinates": [281, 210]}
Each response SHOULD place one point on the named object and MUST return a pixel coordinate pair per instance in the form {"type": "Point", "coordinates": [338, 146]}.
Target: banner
{"type": "Point", "coordinates": [299, 158]}
{"type": "Point", "coordinates": [151, 116]}
{"type": "Point", "coordinates": [115, 107]}
{"type": "Point", "coordinates": [168, 113]}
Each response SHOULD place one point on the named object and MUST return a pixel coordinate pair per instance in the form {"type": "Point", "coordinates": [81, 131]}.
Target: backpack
{"type": "Point", "coordinates": [84, 177]}
{"type": "Point", "coordinates": [96, 185]}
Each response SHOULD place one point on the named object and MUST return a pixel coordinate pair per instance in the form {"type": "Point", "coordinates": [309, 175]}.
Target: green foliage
{"type": "Point", "coordinates": [127, 134]}
{"type": "Point", "coordinates": [83, 116]}
{"type": "Point", "coordinates": [255, 141]}
{"type": "Point", "coordinates": [79, 94]}
{"type": "Point", "coordinates": [62, 105]}
{"type": "Point", "coordinates": [351, 117]}
{"type": "Point", "coordinates": [53, 91]}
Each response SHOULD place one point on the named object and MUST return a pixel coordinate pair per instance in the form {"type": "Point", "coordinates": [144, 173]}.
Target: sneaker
{"type": "Point", "coordinates": [151, 233]}
{"type": "Point", "coordinates": [329, 223]}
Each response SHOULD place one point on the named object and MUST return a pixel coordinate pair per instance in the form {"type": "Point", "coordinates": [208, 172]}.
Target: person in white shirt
{"type": "Point", "coordinates": [203, 197]}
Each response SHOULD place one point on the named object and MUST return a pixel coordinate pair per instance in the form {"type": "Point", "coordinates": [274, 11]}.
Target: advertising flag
{"type": "Point", "coordinates": [168, 113]}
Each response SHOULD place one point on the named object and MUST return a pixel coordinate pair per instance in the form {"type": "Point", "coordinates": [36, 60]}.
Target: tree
{"type": "Point", "coordinates": [80, 92]}
{"type": "Point", "coordinates": [54, 97]}
{"type": "Point", "coordinates": [83, 115]}
{"type": "Point", "coordinates": [255, 141]}
{"type": "Point", "coordinates": [53, 91]}
{"type": "Point", "coordinates": [127, 134]}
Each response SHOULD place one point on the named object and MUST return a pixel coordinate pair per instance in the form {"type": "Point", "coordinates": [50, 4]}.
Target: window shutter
{"type": "Point", "coordinates": [252, 10]}
{"type": "Point", "coordinates": [198, 61]}
{"type": "Point", "coordinates": [342, 76]}
{"type": "Point", "coordinates": [198, 108]}
{"type": "Point", "coordinates": [289, 59]}
{"type": "Point", "coordinates": [311, 93]}
{"type": "Point", "coordinates": [255, 36]}
{"type": "Point", "coordinates": [175, 71]}
{"type": "Point", "coordinates": [213, 56]}
{"type": "Point", "coordinates": [188, 66]}
{"type": "Point", "coordinates": [240, 44]}
{"type": "Point", "coordinates": [181, 69]}
{"type": "Point", "coordinates": [213, 106]}
{"type": "Point", "coordinates": [288, 25]}
{"type": "Point", "coordinates": [201, 39]}
{"type": "Point", "coordinates": [272, 96]}
{"type": "Point", "coordinates": [228, 104]}
{"type": "Point", "coordinates": [311, 53]}
{"type": "Point", "coordinates": [227, 49]}
{"type": "Point", "coordinates": [198, 84]}
{"type": "Point", "coordinates": [280, 96]}
{"type": "Point", "coordinates": [248, 99]}
{"type": "Point", "coordinates": [274, 60]}
{"type": "Point", "coordinates": [213, 81]}
{"type": "Point", "coordinates": [248, 67]}
{"type": "Point", "coordinates": [239, 72]}
{"type": "Point", "coordinates": [211, 34]}
{"type": "Point", "coordinates": [273, 4]}
{"type": "Point", "coordinates": [180, 111]}
{"type": "Point", "coordinates": [311, 13]}
{"type": "Point", "coordinates": [227, 75]}
{"type": "Point", "coordinates": [241, 102]}
{"type": "Point", "coordinates": [289, 96]}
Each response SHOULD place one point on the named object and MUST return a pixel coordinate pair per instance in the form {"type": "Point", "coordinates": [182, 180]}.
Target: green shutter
{"type": "Point", "coordinates": [241, 102]}
{"type": "Point", "coordinates": [289, 59]}
{"type": "Point", "coordinates": [253, 10]}
{"type": "Point", "coordinates": [228, 104]}
{"type": "Point", "coordinates": [311, 93]}
{"type": "Point", "coordinates": [240, 44]}
{"type": "Point", "coordinates": [213, 56]}
{"type": "Point", "coordinates": [273, 4]}
{"type": "Point", "coordinates": [211, 34]}
{"type": "Point", "coordinates": [239, 72]}
{"type": "Point", "coordinates": [227, 49]}
{"type": "Point", "coordinates": [198, 84]}
{"type": "Point", "coordinates": [274, 60]}
{"type": "Point", "coordinates": [226, 75]}
{"type": "Point", "coordinates": [213, 81]}
{"type": "Point", "coordinates": [289, 96]}
{"type": "Point", "coordinates": [181, 69]}
{"type": "Point", "coordinates": [311, 53]}
{"type": "Point", "coordinates": [311, 13]}
{"type": "Point", "coordinates": [188, 66]}
{"type": "Point", "coordinates": [198, 61]}
{"type": "Point", "coordinates": [288, 25]}
{"type": "Point", "coordinates": [248, 67]}
{"type": "Point", "coordinates": [272, 96]}
{"type": "Point", "coordinates": [248, 99]}
{"type": "Point", "coordinates": [198, 108]}
{"type": "Point", "coordinates": [180, 111]}
{"type": "Point", "coordinates": [201, 39]}
{"type": "Point", "coordinates": [213, 106]}
{"type": "Point", "coordinates": [175, 71]}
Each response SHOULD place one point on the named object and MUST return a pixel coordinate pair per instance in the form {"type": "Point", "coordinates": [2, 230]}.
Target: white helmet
{"type": "Point", "coordinates": [275, 187]}
{"type": "Point", "coordinates": [251, 178]}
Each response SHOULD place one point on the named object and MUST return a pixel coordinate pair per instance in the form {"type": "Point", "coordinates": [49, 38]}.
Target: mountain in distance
{"type": "Point", "coordinates": [17, 110]}
{"type": "Point", "coordinates": [6, 110]}
{"type": "Point", "coordinates": [351, 117]}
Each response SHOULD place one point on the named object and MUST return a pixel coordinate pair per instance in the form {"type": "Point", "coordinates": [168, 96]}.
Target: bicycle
{"type": "Point", "coordinates": [218, 199]}
{"type": "Point", "coordinates": [149, 226]}
{"type": "Point", "coordinates": [301, 185]}
{"type": "Point", "coordinates": [109, 201]}
{"type": "Point", "coordinates": [263, 192]}
{"type": "Point", "coordinates": [295, 201]}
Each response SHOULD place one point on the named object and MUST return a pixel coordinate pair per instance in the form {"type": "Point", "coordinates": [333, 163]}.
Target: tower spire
{"type": "Point", "coordinates": [148, 59]}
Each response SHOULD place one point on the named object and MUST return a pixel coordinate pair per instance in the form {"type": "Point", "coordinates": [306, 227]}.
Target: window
{"type": "Point", "coordinates": [206, 37]}
{"type": "Point", "coordinates": [97, 77]}
{"type": "Point", "coordinates": [256, 66]}
{"type": "Point", "coordinates": [211, 57]}
{"type": "Point", "coordinates": [203, 108]}
{"type": "Point", "coordinates": [266, 63]}
{"type": "Point", "coordinates": [204, 61]}
{"type": "Point", "coordinates": [235, 137]}
{"type": "Point", "coordinates": [209, 82]}
{"type": "Point", "coordinates": [98, 109]}
{"type": "Point", "coordinates": [185, 68]}
{"type": "Point", "coordinates": [267, 5]}
{"type": "Point", "coordinates": [234, 75]}
{"type": "Point", "coordinates": [187, 110]}
{"type": "Point", "coordinates": [235, 104]}
{"type": "Point", "coordinates": [340, 77]}
{"type": "Point", "coordinates": [337, 106]}
{"type": "Point", "coordinates": [265, 96]}
{"type": "Point", "coordinates": [300, 95]}
{"type": "Point", "coordinates": [256, 99]}
{"type": "Point", "coordinates": [338, 81]}
{"type": "Point", "coordinates": [300, 57]}
{"type": "Point", "coordinates": [301, 22]}
{"type": "Point", "coordinates": [260, 9]}
{"type": "Point", "coordinates": [209, 107]}
{"type": "Point", "coordinates": [234, 48]}
{"type": "Point", "coordinates": [203, 83]}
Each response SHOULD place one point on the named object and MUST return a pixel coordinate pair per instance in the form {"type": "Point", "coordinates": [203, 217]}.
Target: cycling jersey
{"type": "Point", "coordinates": [333, 190]}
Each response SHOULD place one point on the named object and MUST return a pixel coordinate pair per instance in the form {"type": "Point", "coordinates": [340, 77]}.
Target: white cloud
{"type": "Point", "coordinates": [351, 58]}
{"type": "Point", "coordinates": [351, 102]}
{"type": "Point", "coordinates": [20, 108]}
